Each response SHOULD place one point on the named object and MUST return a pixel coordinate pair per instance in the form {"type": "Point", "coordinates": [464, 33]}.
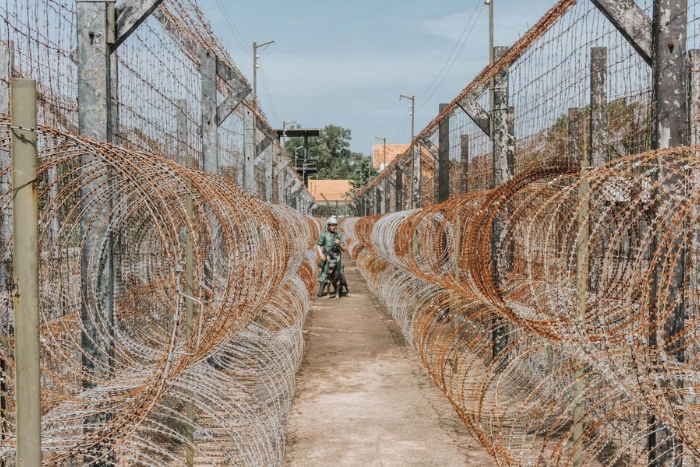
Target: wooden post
{"type": "Point", "coordinates": [25, 209]}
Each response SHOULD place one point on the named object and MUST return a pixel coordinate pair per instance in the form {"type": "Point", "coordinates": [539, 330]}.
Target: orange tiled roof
{"type": "Point", "coordinates": [333, 190]}
{"type": "Point", "coordinates": [391, 151]}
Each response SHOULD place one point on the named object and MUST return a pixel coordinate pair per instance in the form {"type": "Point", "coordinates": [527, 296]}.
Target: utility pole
{"type": "Point", "coordinates": [384, 141]}
{"type": "Point", "coordinates": [284, 129]}
{"type": "Point", "coordinates": [413, 112]}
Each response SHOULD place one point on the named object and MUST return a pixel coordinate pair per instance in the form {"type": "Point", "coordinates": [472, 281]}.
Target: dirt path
{"type": "Point", "coordinates": [363, 397]}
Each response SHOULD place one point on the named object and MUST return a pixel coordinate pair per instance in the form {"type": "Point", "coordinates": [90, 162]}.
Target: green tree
{"type": "Point", "coordinates": [363, 174]}
{"type": "Point", "coordinates": [330, 150]}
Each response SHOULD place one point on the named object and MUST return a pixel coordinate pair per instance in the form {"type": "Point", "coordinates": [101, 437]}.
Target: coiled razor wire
{"type": "Point", "coordinates": [253, 269]}
{"type": "Point", "coordinates": [520, 403]}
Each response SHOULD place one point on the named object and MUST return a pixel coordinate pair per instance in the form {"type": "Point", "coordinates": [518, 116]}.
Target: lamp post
{"type": "Point", "coordinates": [383, 139]}
{"type": "Point", "coordinates": [284, 128]}
{"type": "Point", "coordinates": [256, 46]}
{"type": "Point", "coordinates": [413, 112]}
{"type": "Point", "coordinates": [492, 81]}
{"type": "Point", "coordinates": [295, 156]}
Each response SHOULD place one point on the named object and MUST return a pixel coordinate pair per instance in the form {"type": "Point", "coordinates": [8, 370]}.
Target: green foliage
{"type": "Point", "coordinates": [364, 173]}
{"type": "Point", "coordinates": [331, 151]}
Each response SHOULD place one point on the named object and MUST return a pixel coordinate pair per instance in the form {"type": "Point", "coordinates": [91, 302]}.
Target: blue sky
{"type": "Point", "coordinates": [345, 63]}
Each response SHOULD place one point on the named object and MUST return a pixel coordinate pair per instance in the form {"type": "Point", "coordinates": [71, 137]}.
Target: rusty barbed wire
{"type": "Point", "coordinates": [434, 269]}
{"type": "Point", "coordinates": [252, 280]}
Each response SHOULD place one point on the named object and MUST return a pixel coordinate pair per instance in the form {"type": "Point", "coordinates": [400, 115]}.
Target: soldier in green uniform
{"type": "Point", "coordinates": [326, 241]}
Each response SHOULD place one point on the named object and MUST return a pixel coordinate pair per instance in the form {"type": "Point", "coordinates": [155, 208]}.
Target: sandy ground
{"type": "Point", "coordinates": [363, 397]}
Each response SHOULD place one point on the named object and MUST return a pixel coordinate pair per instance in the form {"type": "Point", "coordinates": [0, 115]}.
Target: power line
{"type": "Point", "coordinates": [466, 27]}
{"type": "Point", "coordinates": [236, 33]}
{"type": "Point", "coordinates": [403, 125]}
{"type": "Point", "coordinates": [269, 98]}
{"type": "Point", "coordinates": [453, 61]}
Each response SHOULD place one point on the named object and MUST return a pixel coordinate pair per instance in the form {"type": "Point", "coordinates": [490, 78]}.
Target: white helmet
{"type": "Point", "coordinates": [331, 220]}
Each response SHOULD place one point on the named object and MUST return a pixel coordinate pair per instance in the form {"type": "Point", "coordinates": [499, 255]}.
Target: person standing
{"type": "Point", "coordinates": [329, 242]}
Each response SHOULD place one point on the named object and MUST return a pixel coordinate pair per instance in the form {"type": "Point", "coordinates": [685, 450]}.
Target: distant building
{"type": "Point", "coordinates": [330, 195]}
{"type": "Point", "coordinates": [392, 150]}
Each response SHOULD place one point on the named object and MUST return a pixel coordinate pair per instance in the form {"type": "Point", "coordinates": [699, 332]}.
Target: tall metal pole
{"type": "Point", "coordinates": [26, 272]}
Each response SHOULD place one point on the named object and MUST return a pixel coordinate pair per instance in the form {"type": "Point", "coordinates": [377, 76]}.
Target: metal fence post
{"type": "Point", "coordinates": [26, 273]}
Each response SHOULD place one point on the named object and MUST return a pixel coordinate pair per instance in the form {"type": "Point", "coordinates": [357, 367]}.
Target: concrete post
{"type": "Point", "coordinates": [268, 174]}
{"type": "Point", "coordinates": [281, 184]}
{"type": "Point", "coordinates": [599, 100]}
{"type": "Point", "coordinates": [26, 273]}
{"type": "Point", "coordinates": [572, 145]}
{"type": "Point", "coordinates": [182, 153]}
{"type": "Point", "coordinates": [387, 195]}
{"type": "Point", "coordinates": [94, 121]}
{"type": "Point", "coordinates": [669, 129]}
{"type": "Point", "coordinates": [503, 160]}
{"type": "Point", "coordinates": [399, 190]}
{"type": "Point", "coordinates": [416, 176]}
{"type": "Point", "coordinates": [248, 152]}
{"type": "Point", "coordinates": [6, 68]}
{"type": "Point", "coordinates": [669, 72]}
{"type": "Point", "coordinates": [503, 170]}
{"type": "Point", "coordinates": [464, 149]}
{"type": "Point", "coordinates": [443, 157]}
{"type": "Point", "coordinates": [209, 126]}
{"type": "Point", "coordinates": [694, 96]}
{"type": "Point", "coordinates": [379, 205]}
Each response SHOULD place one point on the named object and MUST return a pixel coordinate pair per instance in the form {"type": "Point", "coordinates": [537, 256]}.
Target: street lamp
{"type": "Point", "coordinates": [295, 156]}
{"type": "Point", "coordinates": [284, 129]}
{"type": "Point", "coordinates": [256, 46]}
{"type": "Point", "coordinates": [413, 111]}
{"type": "Point", "coordinates": [383, 139]}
